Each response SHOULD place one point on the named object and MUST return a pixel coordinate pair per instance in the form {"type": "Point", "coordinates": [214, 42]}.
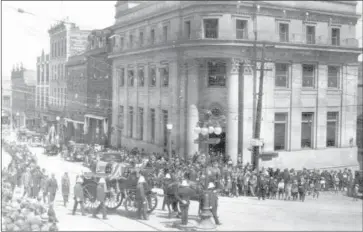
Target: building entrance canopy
{"type": "Point", "coordinates": [94, 116]}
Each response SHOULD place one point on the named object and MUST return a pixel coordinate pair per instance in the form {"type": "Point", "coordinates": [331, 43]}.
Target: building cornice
{"type": "Point", "coordinates": [201, 4]}
{"type": "Point", "coordinates": [241, 44]}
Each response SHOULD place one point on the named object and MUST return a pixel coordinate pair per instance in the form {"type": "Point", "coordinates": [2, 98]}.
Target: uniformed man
{"type": "Point", "coordinates": [78, 196]}
{"type": "Point", "coordinates": [262, 187]}
{"type": "Point", "coordinates": [141, 199]}
{"type": "Point", "coordinates": [213, 197]}
{"type": "Point", "coordinates": [166, 181]}
{"type": "Point", "coordinates": [101, 196]}
{"type": "Point", "coordinates": [183, 195]}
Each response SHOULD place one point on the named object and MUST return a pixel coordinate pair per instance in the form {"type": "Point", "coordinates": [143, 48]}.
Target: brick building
{"type": "Point", "coordinates": [42, 88]}
{"type": "Point", "coordinates": [176, 62]}
{"type": "Point", "coordinates": [66, 39]}
{"type": "Point", "coordinates": [23, 84]}
{"type": "Point", "coordinates": [99, 88]}
{"type": "Point", "coordinates": [77, 79]}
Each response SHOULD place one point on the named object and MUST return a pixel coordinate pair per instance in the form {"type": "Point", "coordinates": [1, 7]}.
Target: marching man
{"type": "Point", "coordinates": [101, 197]}
{"type": "Point", "coordinates": [141, 198]}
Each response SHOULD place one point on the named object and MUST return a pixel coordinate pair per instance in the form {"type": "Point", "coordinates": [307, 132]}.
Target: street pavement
{"type": "Point", "coordinates": [329, 212]}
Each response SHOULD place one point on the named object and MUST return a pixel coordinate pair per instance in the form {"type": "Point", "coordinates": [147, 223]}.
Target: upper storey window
{"type": "Point", "coordinates": [217, 73]}
{"type": "Point", "coordinates": [310, 34]}
{"type": "Point", "coordinates": [308, 77]}
{"type": "Point", "coordinates": [165, 33]}
{"type": "Point", "coordinates": [335, 36]}
{"type": "Point", "coordinates": [152, 36]}
{"type": "Point", "coordinates": [141, 39]}
{"type": "Point", "coordinates": [131, 41]}
{"type": "Point", "coordinates": [284, 32]}
{"type": "Point", "coordinates": [187, 29]}
{"type": "Point", "coordinates": [241, 29]}
{"type": "Point", "coordinates": [211, 28]}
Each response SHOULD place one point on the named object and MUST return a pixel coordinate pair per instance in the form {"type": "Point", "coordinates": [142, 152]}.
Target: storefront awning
{"type": "Point", "coordinates": [94, 116]}
{"type": "Point", "coordinates": [71, 120]}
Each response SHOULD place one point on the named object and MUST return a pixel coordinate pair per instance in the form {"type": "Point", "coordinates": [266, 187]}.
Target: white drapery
{"type": "Point", "coordinates": [105, 126]}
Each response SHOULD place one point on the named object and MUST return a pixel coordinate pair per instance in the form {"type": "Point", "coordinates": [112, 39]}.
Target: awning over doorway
{"type": "Point", "coordinates": [74, 121]}
{"type": "Point", "coordinates": [94, 116]}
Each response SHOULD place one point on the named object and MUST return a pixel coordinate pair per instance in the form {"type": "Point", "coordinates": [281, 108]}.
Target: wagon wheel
{"type": "Point", "coordinates": [152, 202]}
{"type": "Point", "coordinates": [130, 204]}
{"type": "Point", "coordinates": [113, 200]}
{"type": "Point", "coordinates": [90, 201]}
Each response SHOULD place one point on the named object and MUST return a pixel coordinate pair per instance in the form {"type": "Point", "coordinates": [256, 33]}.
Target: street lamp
{"type": "Point", "coordinates": [206, 131]}
{"type": "Point", "coordinates": [169, 127]}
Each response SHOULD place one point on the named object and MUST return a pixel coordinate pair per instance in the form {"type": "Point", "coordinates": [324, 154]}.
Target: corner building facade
{"type": "Point", "coordinates": [176, 62]}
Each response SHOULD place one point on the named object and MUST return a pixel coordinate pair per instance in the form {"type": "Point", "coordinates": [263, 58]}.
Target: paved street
{"type": "Point", "coordinates": [329, 212]}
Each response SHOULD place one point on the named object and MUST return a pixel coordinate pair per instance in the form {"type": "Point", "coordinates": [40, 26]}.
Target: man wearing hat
{"type": "Point", "coordinates": [140, 198]}
{"type": "Point", "coordinates": [167, 181]}
{"type": "Point", "coordinates": [213, 198]}
{"type": "Point", "coordinates": [101, 196]}
{"type": "Point", "coordinates": [183, 195]}
{"type": "Point", "coordinates": [52, 187]}
{"type": "Point", "coordinates": [78, 196]}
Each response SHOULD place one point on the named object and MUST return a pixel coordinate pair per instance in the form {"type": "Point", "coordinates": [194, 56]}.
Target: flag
{"type": "Point", "coordinates": [117, 170]}
{"type": "Point", "coordinates": [105, 126]}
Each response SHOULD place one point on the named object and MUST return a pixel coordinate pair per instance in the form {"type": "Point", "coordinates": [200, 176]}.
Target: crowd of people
{"type": "Point", "coordinates": [242, 180]}
{"type": "Point", "coordinates": [23, 173]}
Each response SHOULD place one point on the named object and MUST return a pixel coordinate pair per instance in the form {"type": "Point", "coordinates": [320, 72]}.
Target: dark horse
{"type": "Point", "coordinates": [195, 189]}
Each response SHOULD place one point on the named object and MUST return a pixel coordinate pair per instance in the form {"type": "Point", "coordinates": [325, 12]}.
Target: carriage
{"type": "Point", "coordinates": [75, 151]}
{"type": "Point", "coordinates": [121, 188]}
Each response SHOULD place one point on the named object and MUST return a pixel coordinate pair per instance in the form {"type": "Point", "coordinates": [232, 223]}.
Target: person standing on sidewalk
{"type": "Point", "coordinates": [140, 199]}
{"type": "Point", "coordinates": [52, 188]}
{"type": "Point", "coordinates": [101, 196]}
{"type": "Point", "coordinates": [78, 196]}
{"type": "Point", "coordinates": [44, 186]}
{"type": "Point", "coordinates": [65, 188]}
{"type": "Point", "coordinates": [26, 180]}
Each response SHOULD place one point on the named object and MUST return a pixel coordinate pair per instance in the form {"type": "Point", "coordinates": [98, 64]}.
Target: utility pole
{"type": "Point", "coordinates": [257, 125]}
{"type": "Point", "coordinates": [255, 64]}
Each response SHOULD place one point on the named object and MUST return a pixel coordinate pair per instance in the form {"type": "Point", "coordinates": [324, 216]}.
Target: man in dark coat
{"type": "Point", "coordinates": [78, 196]}
{"type": "Point", "coordinates": [213, 198]}
{"type": "Point", "coordinates": [52, 188]}
{"type": "Point", "coordinates": [101, 196]}
{"type": "Point", "coordinates": [183, 195]}
{"type": "Point", "coordinates": [140, 199]}
{"type": "Point", "coordinates": [262, 187]}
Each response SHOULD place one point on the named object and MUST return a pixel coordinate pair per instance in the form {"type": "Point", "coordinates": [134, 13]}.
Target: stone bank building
{"type": "Point", "coordinates": [191, 63]}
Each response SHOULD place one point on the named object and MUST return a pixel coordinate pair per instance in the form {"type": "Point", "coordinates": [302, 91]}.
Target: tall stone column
{"type": "Point", "coordinates": [192, 97]}
{"type": "Point", "coordinates": [232, 109]}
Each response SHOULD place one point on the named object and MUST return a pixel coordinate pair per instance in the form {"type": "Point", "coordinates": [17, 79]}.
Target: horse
{"type": "Point", "coordinates": [172, 188]}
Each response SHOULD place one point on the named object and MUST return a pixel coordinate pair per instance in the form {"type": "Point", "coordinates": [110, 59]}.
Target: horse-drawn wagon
{"type": "Point", "coordinates": [121, 185]}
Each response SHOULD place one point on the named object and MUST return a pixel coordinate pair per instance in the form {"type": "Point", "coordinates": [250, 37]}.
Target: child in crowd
{"type": "Point", "coordinates": [281, 189]}
{"type": "Point", "coordinates": [288, 189]}
{"type": "Point", "coordinates": [294, 190]}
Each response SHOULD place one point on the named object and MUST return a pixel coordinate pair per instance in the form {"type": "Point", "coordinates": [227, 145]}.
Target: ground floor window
{"type": "Point", "coordinates": [307, 130]}
{"type": "Point", "coordinates": [280, 129]}
{"type": "Point", "coordinates": [331, 129]}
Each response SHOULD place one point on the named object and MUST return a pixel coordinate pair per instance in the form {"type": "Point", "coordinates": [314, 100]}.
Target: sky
{"type": "Point", "coordinates": [24, 36]}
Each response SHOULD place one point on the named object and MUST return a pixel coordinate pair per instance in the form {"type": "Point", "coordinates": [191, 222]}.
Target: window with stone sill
{"type": "Point", "coordinates": [333, 77]}
{"type": "Point", "coordinates": [165, 33]}
{"type": "Point", "coordinates": [280, 131]}
{"type": "Point", "coordinates": [308, 77]}
{"type": "Point", "coordinates": [284, 32]}
{"type": "Point", "coordinates": [122, 43]}
{"type": "Point", "coordinates": [131, 41]}
{"type": "Point", "coordinates": [141, 39]}
{"type": "Point", "coordinates": [210, 28]}
{"type": "Point", "coordinates": [307, 124]}
{"type": "Point", "coordinates": [152, 76]}
{"type": "Point", "coordinates": [217, 72]}
{"type": "Point", "coordinates": [152, 36]}
{"type": "Point", "coordinates": [335, 36]}
{"type": "Point", "coordinates": [130, 78]}
{"type": "Point", "coordinates": [281, 75]}
{"type": "Point", "coordinates": [164, 73]}
{"type": "Point", "coordinates": [332, 129]}
{"type": "Point", "coordinates": [141, 81]}
{"type": "Point", "coordinates": [241, 29]}
{"type": "Point", "coordinates": [130, 121]}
